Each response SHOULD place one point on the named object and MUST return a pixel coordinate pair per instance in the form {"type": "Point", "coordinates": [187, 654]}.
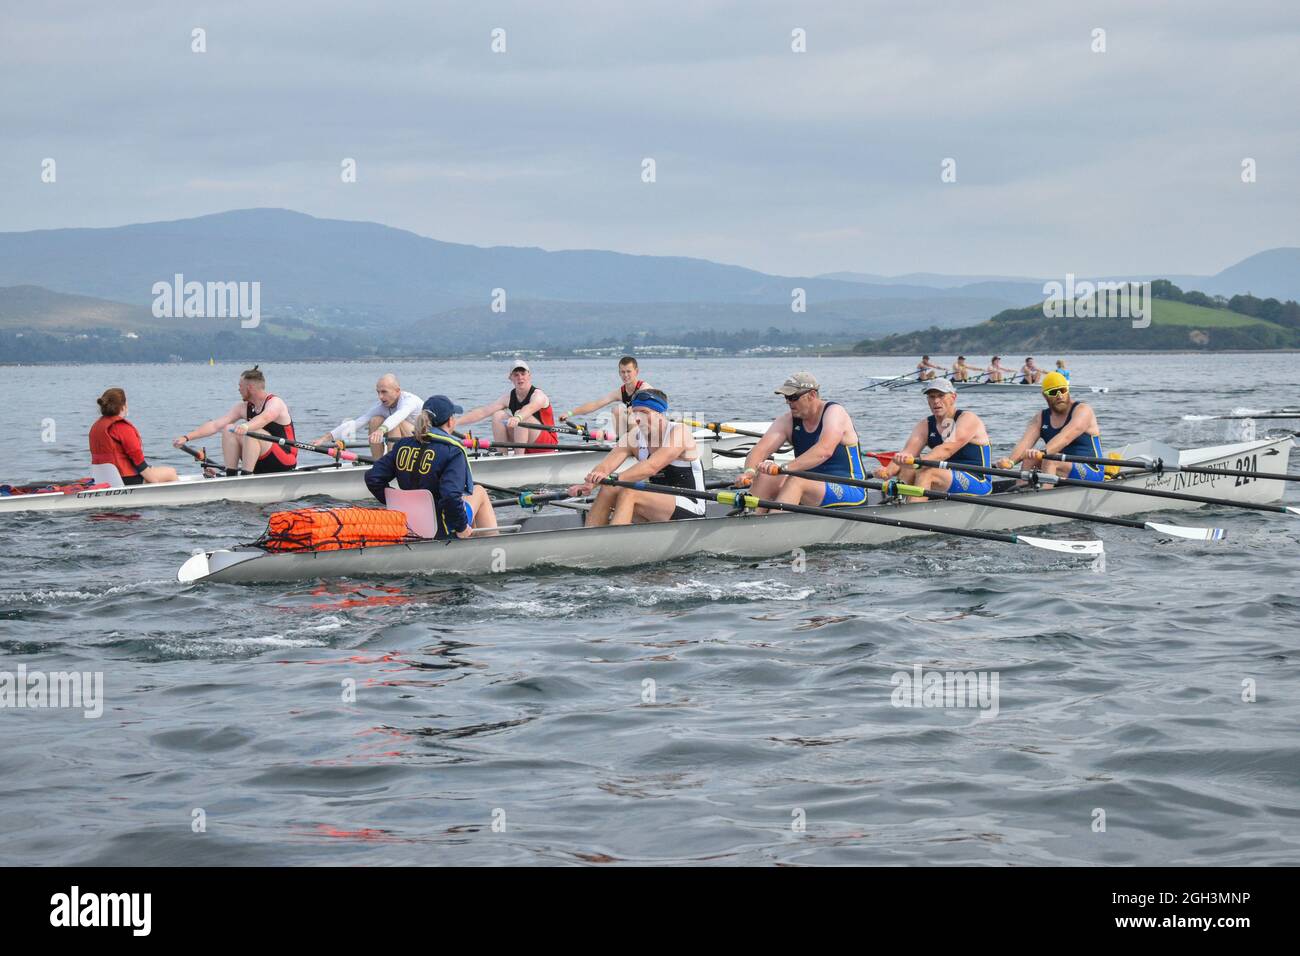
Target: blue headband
{"type": "Point", "coordinates": [649, 401]}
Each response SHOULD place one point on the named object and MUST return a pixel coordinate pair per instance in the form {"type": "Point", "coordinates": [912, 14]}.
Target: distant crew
{"type": "Point", "coordinates": [961, 371]}
{"type": "Point", "coordinates": [259, 410]}
{"type": "Point", "coordinates": [998, 372]}
{"type": "Point", "coordinates": [1065, 427]}
{"type": "Point", "coordinates": [390, 418]}
{"type": "Point", "coordinates": [621, 397]}
{"type": "Point", "coordinates": [952, 435]}
{"type": "Point", "coordinates": [927, 370]}
{"type": "Point", "coordinates": [435, 461]}
{"type": "Point", "coordinates": [666, 454]}
{"type": "Point", "coordinates": [525, 404]}
{"type": "Point", "coordinates": [824, 440]}
{"type": "Point", "coordinates": [115, 441]}
{"type": "Point", "coordinates": [1030, 373]}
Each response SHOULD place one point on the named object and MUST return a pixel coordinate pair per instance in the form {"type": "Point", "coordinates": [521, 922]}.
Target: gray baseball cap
{"type": "Point", "coordinates": [941, 385]}
{"type": "Point", "coordinates": [798, 382]}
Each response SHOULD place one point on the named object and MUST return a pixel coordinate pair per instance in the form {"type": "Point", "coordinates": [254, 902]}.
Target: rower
{"type": "Point", "coordinates": [259, 410]}
{"type": "Point", "coordinates": [961, 371]}
{"type": "Point", "coordinates": [512, 413]}
{"type": "Point", "coordinates": [620, 398]}
{"type": "Point", "coordinates": [1030, 373]}
{"type": "Point", "coordinates": [926, 370]}
{"type": "Point", "coordinates": [1060, 367]}
{"type": "Point", "coordinates": [390, 418]}
{"type": "Point", "coordinates": [824, 440]}
{"type": "Point", "coordinates": [115, 441]}
{"type": "Point", "coordinates": [666, 454]}
{"type": "Point", "coordinates": [1065, 427]}
{"type": "Point", "coordinates": [952, 435]}
{"type": "Point", "coordinates": [435, 461]}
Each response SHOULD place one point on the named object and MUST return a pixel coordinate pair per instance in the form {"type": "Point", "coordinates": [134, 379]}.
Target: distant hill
{"type": "Point", "coordinates": [31, 307]}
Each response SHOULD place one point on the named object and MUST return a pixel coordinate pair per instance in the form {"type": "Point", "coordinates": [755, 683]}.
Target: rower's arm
{"type": "Point", "coordinates": [609, 464]}
{"type": "Point", "coordinates": [834, 422]}
{"type": "Point", "coordinates": [273, 410]}
{"type": "Point", "coordinates": [407, 405]}
{"type": "Point", "coordinates": [539, 402]}
{"type": "Point", "coordinates": [586, 408]}
{"type": "Point", "coordinates": [380, 474]}
{"type": "Point", "coordinates": [483, 411]}
{"type": "Point", "coordinates": [915, 442]}
{"type": "Point", "coordinates": [1082, 421]}
{"type": "Point", "coordinates": [214, 425]}
{"type": "Point", "coordinates": [656, 462]}
{"type": "Point", "coordinates": [777, 434]}
{"type": "Point", "coordinates": [967, 426]}
{"type": "Point", "coordinates": [453, 481]}
{"type": "Point", "coordinates": [1027, 441]}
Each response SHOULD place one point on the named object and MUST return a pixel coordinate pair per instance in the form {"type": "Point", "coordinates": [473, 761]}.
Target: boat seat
{"type": "Point", "coordinates": [106, 475]}
{"type": "Point", "coordinates": [417, 505]}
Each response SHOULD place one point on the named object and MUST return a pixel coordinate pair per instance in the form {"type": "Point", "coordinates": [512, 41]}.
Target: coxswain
{"type": "Point", "coordinates": [514, 411]}
{"type": "Point", "coordinates": [434, 460]}
{"type": "Point", "coordinates": [926, 370]}
{"type": "Point", "coordinates": [390, 418]}
{"type": "Point", "coordinates": [115, 441]}
{"type": "Point", "coordinates": [620, 398]}
{"type": "Point", "coordinates": [259, 410]}
{"type": "Point", "coordinates": [1030, 373]}
{"type": "Point", "coordinates": [666, 454]}
{"type": "Point", "coordinates": [953, 435]}
{"type": "Point", "coordinates": [1065, 427]}
{"type": "Point", "coordinates": [824, 440]}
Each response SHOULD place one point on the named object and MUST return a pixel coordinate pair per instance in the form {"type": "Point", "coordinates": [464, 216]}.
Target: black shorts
{"type": "Point", "coordinates": [680, 513]}
{"type": "Point", "coordinates": [270, 465]}
{"type": "Point", "coordinates": [133, 479]}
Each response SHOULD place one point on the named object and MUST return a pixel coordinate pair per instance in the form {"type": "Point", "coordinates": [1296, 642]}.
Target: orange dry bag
{"type": "Point", "coordinates": [332, 529]}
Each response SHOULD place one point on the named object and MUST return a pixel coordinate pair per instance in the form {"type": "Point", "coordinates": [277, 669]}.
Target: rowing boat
{"type": "Point", "coordinates": [343, 481]}
{"type": "Point", "coordinates": [985, 386]}
{"type": "Point", "coordinates": [558, 540]}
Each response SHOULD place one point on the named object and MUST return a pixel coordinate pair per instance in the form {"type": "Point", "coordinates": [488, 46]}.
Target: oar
{"type": "Point", "coordinates": [200, 455]}
{"type": "Point", "coordinates": [580, 428]}
{"type": "Point", "coordinates": [1158, 465]}
{"type": "Point", "coordinates": [718, 427]}
{"type": "Point", "coordinates": [897, 378]}
{"type": "Point", "coordinates": [739, 499]}
{"type": "Point", "coordinates": [1042, 478]}
{"type": "Point", "coordinates": [912, 491]}
{"type": "Point", "coordinates": [484, 444]}
{"type": "Point", "coordinates": [330, 450]}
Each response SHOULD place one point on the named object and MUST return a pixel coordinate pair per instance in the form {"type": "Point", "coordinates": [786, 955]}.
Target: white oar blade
{"type": "Point", "coordinates": [193, 569]}
{"type": "Point", "coordinates": [1194, 534]}
{"type": "Point", "coordinates": [1293, 510]}
{"type": "Point", "coordinates": [1065, 547]}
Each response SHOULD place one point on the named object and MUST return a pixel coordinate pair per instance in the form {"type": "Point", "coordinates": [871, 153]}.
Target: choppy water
{"type": "Point", "coordinates": [768, 734]}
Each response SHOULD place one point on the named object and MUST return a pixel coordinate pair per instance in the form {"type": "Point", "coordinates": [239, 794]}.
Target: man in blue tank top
{"type": "Point", "coordinates": [1065, 427]}
{"type": "Point", "coordinates": [957, 437]}
{"type": "Point", "coordinates": [824, 441]}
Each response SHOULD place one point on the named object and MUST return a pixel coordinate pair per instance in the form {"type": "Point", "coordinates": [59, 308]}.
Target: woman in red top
{"type": "Point", "coordinates": [114, 441]}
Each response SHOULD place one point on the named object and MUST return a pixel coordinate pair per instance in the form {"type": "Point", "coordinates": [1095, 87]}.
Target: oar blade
{"type": "Point", "coordinates": [1063, 547]}
{"type": "Point", "coordinates": [1292, 510]}
{"type": "Point", "coordinates": [1192, 534]}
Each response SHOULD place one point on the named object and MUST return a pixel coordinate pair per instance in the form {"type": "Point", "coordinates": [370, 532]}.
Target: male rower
{"type": "Point", "coordinates": [996, 371]}
{"type": "Point", "coordinates": [926, 370]}
{"type": "Point", "coordinates": [666, 454]}
{"type": "Point", "coordinates": [525, 404]}
{"type": "Point", "coordinates": [824, 441]}
{"type": "Point", "coordinates": [435, 461]}
{"type": "Point", "coordinates": [952, 435]}
{"type": "Point", "coordinates": [390, 418]}
{"type": "Point", "coordinates": [961, 371]}
{"type": "Point", "coordinates": [1030, 373]}
{"type": "Point", "coordinates": [620, 398]}
{"type": "Point", "coordinates": [1065, 427]}
{"type": "Point", "coordinates": [259, 410]}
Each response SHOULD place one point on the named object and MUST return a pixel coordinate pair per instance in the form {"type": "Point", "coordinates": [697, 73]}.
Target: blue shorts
{"type": "Point", "coordinates": [964, 483]}
{"type": "Point", "coordinates": [469, 514]}
{"type": "Point", "coordinates": [843, 496]}
{"type": "Point", "coordinates": [1084, 472]}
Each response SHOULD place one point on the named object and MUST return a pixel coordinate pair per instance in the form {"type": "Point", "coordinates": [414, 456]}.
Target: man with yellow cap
{"type": "Point", "coordinates": [1065, 427]}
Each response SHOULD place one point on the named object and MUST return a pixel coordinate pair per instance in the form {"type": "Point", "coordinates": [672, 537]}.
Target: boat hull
{"type": "Point", "coordinates": [748, 536]}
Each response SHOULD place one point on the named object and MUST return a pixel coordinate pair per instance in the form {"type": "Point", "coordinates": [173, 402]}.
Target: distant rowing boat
{"type": "Point", "coordinates": [982, 386]}
{"type": "Point", "coordinates": [345, 482]}
{"type": "Point", "coordinates": [547, 539]}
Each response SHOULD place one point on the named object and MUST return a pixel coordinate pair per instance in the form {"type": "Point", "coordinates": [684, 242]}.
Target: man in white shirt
{"type": "Point", "coordinates": [391, 418]}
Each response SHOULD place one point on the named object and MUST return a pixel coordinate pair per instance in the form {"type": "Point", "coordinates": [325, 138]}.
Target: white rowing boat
{"type": "Point", "coordinates": [345, 482]}
{"type": "Point", "coordinates": [558, 540]}
{"type": "Point", "coordinates": [879, 383]}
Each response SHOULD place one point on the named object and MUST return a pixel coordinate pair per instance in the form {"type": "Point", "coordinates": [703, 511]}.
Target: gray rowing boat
{"type": "Point", "coordinates": [559, 540]}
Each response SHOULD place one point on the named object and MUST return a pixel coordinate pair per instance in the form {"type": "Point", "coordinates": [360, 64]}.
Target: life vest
{"type": "Point", "coordinates": [333, 529]}
{"type": "Point", "coordinates": [113, 441]}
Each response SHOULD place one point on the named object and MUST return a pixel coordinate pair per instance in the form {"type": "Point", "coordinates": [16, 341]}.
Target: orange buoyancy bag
{"type": "Point", "coordinates": [333, 529]}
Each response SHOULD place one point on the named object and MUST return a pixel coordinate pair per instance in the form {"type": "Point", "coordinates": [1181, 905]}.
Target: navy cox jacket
{"type": "Point", "coordinates": [435, 462]}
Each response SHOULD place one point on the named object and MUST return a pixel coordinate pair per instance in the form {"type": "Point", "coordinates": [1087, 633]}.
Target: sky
{"type": "Point", "coordinates": [794, 163]}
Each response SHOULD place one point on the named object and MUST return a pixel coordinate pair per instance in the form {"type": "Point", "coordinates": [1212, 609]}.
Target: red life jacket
{"type": "Point", "coordinates": [114, 441]}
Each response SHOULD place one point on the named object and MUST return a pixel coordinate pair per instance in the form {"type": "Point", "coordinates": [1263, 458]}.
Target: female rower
{"type": "Point", "coordinates": [114, 441]}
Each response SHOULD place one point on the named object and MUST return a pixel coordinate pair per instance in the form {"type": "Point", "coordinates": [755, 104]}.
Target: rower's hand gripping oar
{"type": "Point", "coordinates": [739, 499]}
{"type": "Point", "coordinates": [893, 486]}
{"type": "Point", "coordinates": [331, 450]}
{"type": "Point", "coordinates": [200, 456]}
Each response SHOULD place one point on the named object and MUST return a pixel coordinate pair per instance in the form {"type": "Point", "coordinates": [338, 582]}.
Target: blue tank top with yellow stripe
{"type": "Point", "coordinates": [968, 454]}
{"type": "Point", "coordinates": [1086, 446]}
{"type": "Point", "coordinates": [844, 462]}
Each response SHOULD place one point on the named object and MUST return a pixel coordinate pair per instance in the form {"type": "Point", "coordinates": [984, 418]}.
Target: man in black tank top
{"type": "Point", "coordinates": [258, 410]}
{"type": "Point", "coordinates": [620, 398]}
{"type": "Point", "coordinates": [514, 411]}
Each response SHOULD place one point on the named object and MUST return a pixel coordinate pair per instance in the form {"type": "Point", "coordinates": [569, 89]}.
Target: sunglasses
{"type": "Point", "coordinates": [1053, 392]}
{"type": "Point", "coordinates": [794, 398]}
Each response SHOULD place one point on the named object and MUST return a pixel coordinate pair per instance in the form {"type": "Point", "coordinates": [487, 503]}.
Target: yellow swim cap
{"type": "Point", "coordinates": [1055, 380]}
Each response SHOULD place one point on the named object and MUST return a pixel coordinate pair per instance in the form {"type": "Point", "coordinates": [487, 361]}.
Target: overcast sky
{"type": "Point", "coordinates": [793, 163]}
